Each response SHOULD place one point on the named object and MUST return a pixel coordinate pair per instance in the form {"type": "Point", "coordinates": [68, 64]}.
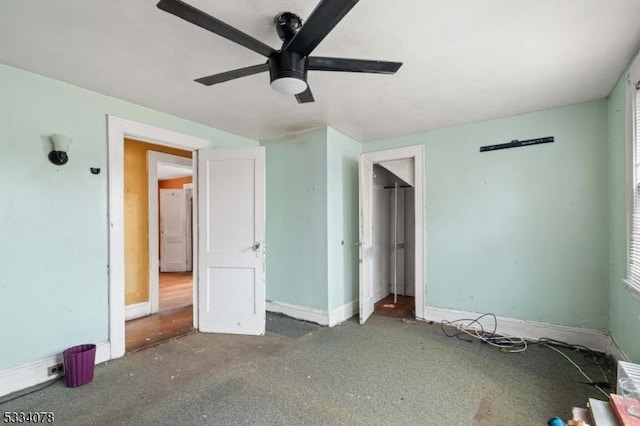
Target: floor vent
{"type": "Point", "coordinates": [628, 369]}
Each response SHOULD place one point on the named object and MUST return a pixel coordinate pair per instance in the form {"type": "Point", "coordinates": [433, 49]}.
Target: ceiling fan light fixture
{"type": "Point", "coordinates": [288, 72]}
{"type": "Point", "coordinates": [289, 85]}
{"type": "Point", "coordinates": [287, 66]}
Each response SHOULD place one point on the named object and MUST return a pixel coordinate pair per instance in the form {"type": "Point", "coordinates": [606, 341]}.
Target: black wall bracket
{"type": "Point", "coordinates": [516, 143]}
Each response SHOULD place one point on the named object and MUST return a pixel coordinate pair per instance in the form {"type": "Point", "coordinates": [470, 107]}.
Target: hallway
{"type": "Point", "coordinates": [175, 318]}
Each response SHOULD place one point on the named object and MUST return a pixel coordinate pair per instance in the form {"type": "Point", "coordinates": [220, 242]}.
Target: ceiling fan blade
{"type": "Point", "coordinates": [318, 63]}
{"type": "Point", "coordinates": [208, 22]}
{"type": "Point", "coordinates": [230, 75]}
{"type": "Point", "coordinates": [306, 96]}
{"type": "Point", "coordinates": [324, 17]}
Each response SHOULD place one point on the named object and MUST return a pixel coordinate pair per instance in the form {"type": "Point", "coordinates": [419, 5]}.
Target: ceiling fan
{"type": "Point", "coordinates": [288, 66]}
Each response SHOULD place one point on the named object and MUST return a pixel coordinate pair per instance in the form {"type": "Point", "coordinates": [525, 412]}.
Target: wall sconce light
{"type": "Point", "coordinates": [60, 147]}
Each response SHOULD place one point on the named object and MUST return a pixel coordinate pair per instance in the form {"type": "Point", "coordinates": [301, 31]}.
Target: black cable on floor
{"type": "Point", "coordinates": [552, 343]}
{"type": "Point", "coordinates": [593, 357]}
{"type": "Point", "coordinates": [38, 389]}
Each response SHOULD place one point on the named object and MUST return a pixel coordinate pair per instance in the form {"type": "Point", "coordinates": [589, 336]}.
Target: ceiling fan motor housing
{"type": "Point", "coordinates": [287, 64]}
{"type": "Point", "coordinates": [287, 25]}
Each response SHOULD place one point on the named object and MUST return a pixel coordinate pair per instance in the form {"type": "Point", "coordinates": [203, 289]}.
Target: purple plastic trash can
{"type": "Point", "coordinates": [79, 362]}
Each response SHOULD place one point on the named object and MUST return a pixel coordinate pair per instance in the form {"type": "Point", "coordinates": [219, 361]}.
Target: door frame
{"type": "Point", "coordinates": [154, 159]}
{"type": "Point", "coordinates": [417, 153]}
{"type": "Point", "coordinates": [117, 129]}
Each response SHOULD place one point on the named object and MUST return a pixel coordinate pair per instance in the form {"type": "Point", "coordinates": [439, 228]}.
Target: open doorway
{"type": "Point", "coordinates": [175, 234]}
{"type": "Point", "coordinates": [393, 244]}
{"type": "Point", "coordinates": [392, 237]}
{"type": "Point", "coordinates": [158, 287]}
{"type": "Point", "coordinates": [231, 183]}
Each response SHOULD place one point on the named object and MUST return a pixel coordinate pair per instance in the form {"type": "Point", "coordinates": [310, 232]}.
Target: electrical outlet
{"type": "Point", "coordinates": [56, 369]}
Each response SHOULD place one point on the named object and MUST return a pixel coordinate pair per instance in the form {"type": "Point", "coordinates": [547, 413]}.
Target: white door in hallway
{"type": "Point", "coordinates": [231, 219]}
{"type": "Point", "coordinates": [173, 230]}
{"type": "Point", "coordinates": [366, 297]}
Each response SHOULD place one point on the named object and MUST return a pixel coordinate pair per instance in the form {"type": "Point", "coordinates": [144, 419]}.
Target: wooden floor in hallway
{"type": "Point", "coordinates": [175, 318]}
{"type": "Point", "coordinates": [176, 290]}
{"type": "Point", "coordinates": [404, 307]}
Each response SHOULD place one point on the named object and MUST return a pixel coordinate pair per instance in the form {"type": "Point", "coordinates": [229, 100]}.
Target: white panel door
{"type": "Point", "coordinates": [231, 218]}
{"type": "Point", "coordinates": [366, 241]}
{"type": "Point", "coordinates": [173, 230]}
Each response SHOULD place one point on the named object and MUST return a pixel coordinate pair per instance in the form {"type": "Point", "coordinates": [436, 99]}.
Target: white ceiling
{"type": "Point", "coordinates": [167, 171]}
{"type": "Point", "coordinates": [464, 61]}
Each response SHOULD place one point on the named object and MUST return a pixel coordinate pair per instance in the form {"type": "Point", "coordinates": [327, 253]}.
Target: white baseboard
{"type": "Point", "coordinates": [531, 330]}
{"type": "Point", "coordinates": [299, 312]}
{"type": "Point", "coordinates": [336, 316]}
{"type": "Point", "coordinates": [36, 372]}
{"type": "Point", "coordinates": [137, 310]}
{"type": "Point", "coordinates": [617, 352]}
{"type": "Point", "coordinates": [380, 293]}
{"type": "Point", "coordinates": [343, 313]}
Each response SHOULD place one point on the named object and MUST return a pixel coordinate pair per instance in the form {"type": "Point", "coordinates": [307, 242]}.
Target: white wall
{"type": "Point", "coordinates": [381, 219]}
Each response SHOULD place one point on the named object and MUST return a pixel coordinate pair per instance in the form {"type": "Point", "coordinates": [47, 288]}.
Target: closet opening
{"type": "Point", "coordinates": [393, 238]}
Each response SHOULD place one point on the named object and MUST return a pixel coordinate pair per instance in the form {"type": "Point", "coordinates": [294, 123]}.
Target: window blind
{"type": "Point", "coordinates": [633, 277]}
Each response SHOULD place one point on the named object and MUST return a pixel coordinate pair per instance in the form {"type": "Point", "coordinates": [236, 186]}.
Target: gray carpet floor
{"type": "Point", "coordinates": [386, 372]}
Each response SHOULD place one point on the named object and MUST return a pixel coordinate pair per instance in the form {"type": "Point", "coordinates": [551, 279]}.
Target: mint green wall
{"type": "Point", "coordinates": [625, 305]}
{"type": "Point", "coordinates": [343, 153]}
{"type": "Point", "coordinates": [312, 219]}
{"type": "Point", "coordinates": [526, 233]}
{"type": "Point", "coordinates": [521, 232]}
{"type": "Point", "coordinates": [297, 219]}
{"type": "Point", "coordinates": [53, 220]}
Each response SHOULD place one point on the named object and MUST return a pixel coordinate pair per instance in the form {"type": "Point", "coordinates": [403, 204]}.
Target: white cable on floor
{"type": "Point", "coordinates": [579, 369]}
{"type": "Point", "coordinates": [505, 343]}
{"type": "Point", "coordinates": [499, 342]}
